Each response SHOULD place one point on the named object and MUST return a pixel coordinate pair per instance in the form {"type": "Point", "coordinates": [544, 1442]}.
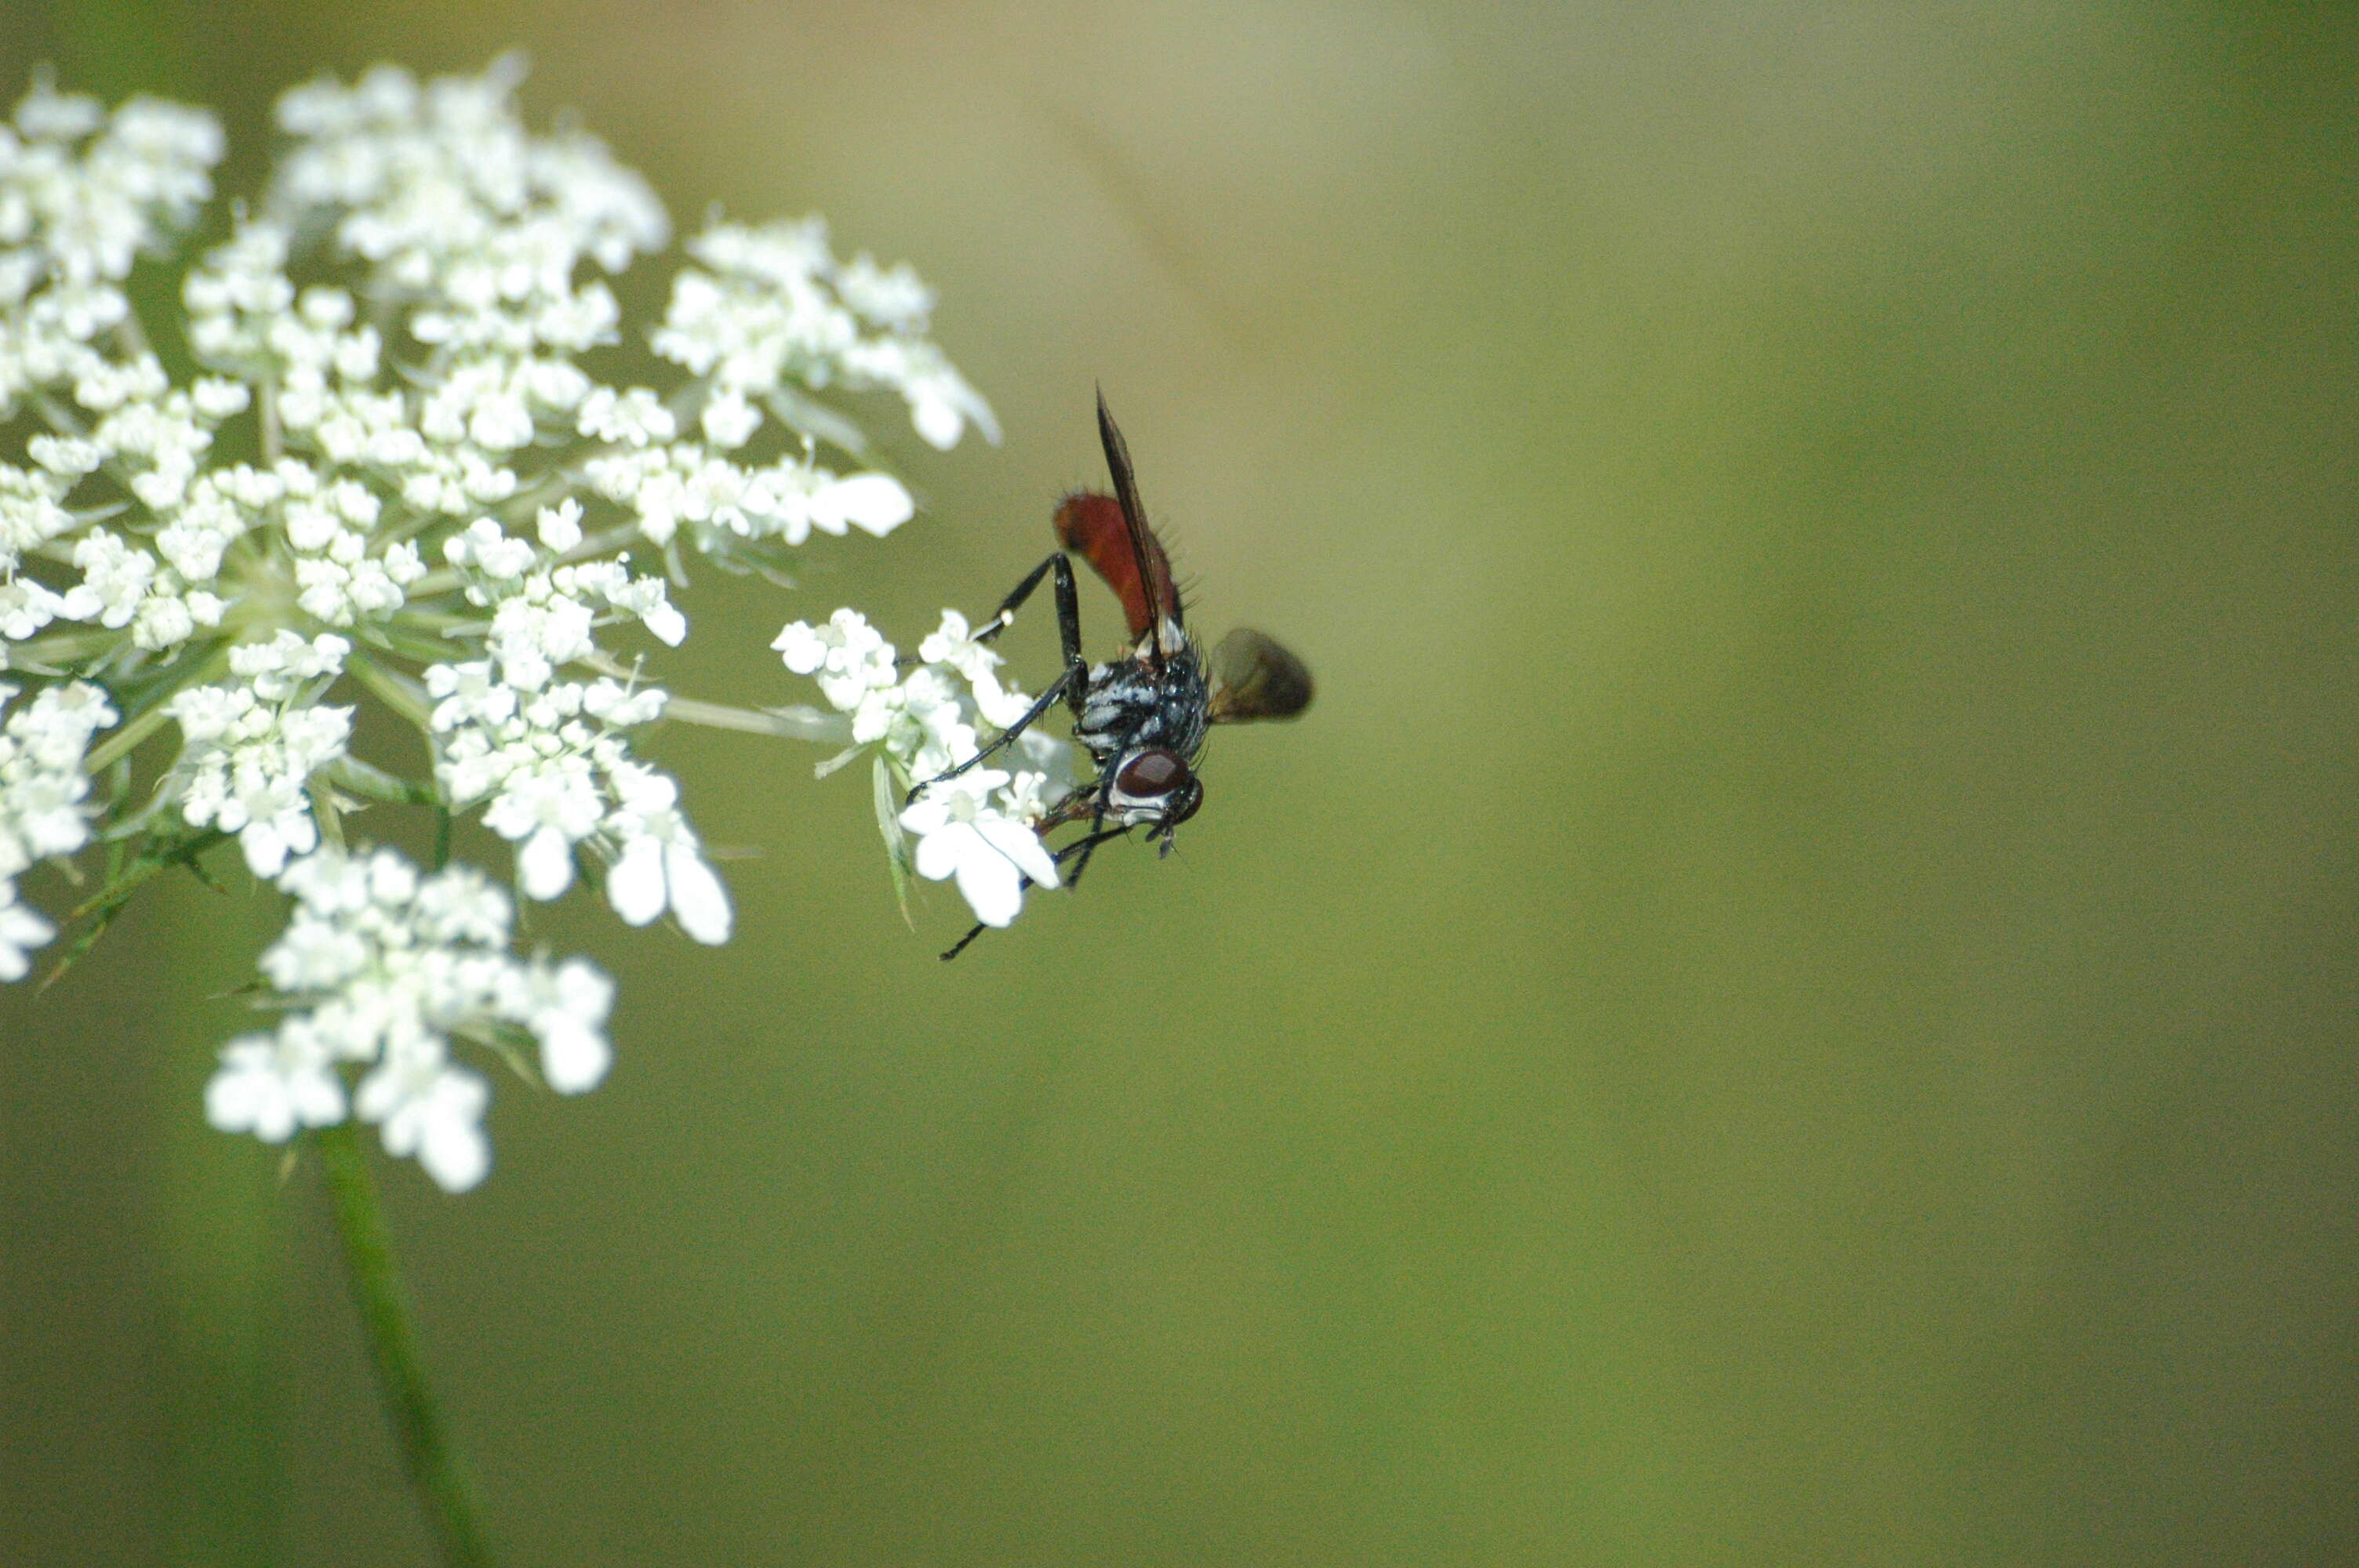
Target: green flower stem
{"type": "Point", "coordinates": [120, 742]}
{"type": "Point", "coordinates": [425, 1453]}
{"type": "Point", "coordinates": [795, 723]}
{"type": "Point", "coordinates": [361, 778]}
{"type": "Point", "coordinates": [265, 409]}
{"type": "Point", "coordinates": [324, 813]}
{"type": "Point", "coordinates": [158, 711]}
{"type": "Point", "coordinates": [133, 337]}
{"type": "Point", "coordinates": [64, 647]}
{"type": "Point", "coordinates": [122, 880]}
{"type": "Point", "coordinates": [398, 692]}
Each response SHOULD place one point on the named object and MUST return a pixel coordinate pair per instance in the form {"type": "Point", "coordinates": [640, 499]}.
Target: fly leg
{"type": "Point", "coordinates": [1067, 686]}
{"type": "Point", "coordinates": [1069, 634]}
{"type": "Point", "coordinates": [965, 942]}
{"type": "Point", "coordinates": [1067, 608]}
{"type": "Point", "coordinates": [1082, 847]}
{"type": "Point", "coordinates": [1056, 688]}
{"type": "Point", "coordinates": [1086, 847]}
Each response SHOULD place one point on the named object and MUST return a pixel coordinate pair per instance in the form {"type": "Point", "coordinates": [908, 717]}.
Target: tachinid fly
{"type": "Point", "coordinates": [1142, 717]}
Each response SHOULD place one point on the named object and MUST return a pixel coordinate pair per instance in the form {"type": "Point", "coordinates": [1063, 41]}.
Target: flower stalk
{"type": "Point", "coordinates": [429, 1457]}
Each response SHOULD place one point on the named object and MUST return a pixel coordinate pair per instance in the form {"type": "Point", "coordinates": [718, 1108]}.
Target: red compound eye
{"type": "Point", "coordinates": [1151, 772]}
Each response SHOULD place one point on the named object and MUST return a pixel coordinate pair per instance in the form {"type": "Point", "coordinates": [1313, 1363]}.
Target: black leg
{"type": "Point", "coordinates": [966, 941]}
{"type": "Point", "coordinates": [1069, 623]}
{"type": "Point", "coordinates": [1067, 686]}
{"type": "Point", "coordinates": [1005, 616]}
{"type": "Point", "coordinates": [1068, 619]}
{"type": "Point", "coordinates": [1007, 736]}
{"type": "Point", "coordinates": [1085, 848]}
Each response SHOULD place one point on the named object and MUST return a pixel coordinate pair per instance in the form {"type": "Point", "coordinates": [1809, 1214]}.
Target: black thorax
{"type": "Point", "coordinates": [1129, 703]}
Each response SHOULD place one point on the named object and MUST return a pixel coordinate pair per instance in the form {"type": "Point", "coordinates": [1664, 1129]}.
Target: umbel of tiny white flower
{"type": "Point", "coordinates": [42, 791]}
{"type": "Point", "coordinates": [405, 478]}
{"type": "Point", "coordinates": [389, 970]}
{"type": "Point", "coordinates": [979, 829]}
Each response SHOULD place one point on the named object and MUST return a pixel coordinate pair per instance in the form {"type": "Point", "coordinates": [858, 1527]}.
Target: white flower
{"type": "Point", "coordinates": [979, 828]}
{"type": "Point", "coordinates": [443, 191]}
{"type": "Point", "coordinates": [546, 807]}
{"type": "Point", "coordinates": [776, 306]}
{"type": "Point", "coordinates": [729, 421]}
{"type": "Point", "coordinates": [43, 791]}
{"type": "Point", "coordinates": [636, 418]}
{"type": "Point", "coordinates": [560, 526]}
{"type": "Point", "coordinates": [889, 296]}
{"type": "Point", "coordinates": [659, 865]}
{"type": "Point", "coordinates": [427, 1108]}
{"type": "Point", "coordinates": [940, 401]}
{"type": "Point", "coordinates": [21, 931]}
{"type": "Point", "coordinates": [549, 765]}
{"type": "Point", "coordinates": [114, 578]}
{"type": "Point", "coordinates": [961, 834]}
{"type": "Point", "coordinates": [567, 1015]}
{"type": "Point", "coordinates": [849, 657]}
{"type": "Point", "coordinates": [89, 208]}
{"type": "Point", "coordinates": [25, 608]}
{"type": "Point", "coordinates": [469, 694]}
{"type": "Point", "coordinates": [1029, 795]}
{"type": "Point", "coordinates": [953, 643]}
{"type": "Point", "coordinates": [485, 547]}
{"type": "Point", "coordinates": [875, 504]}
{"type": "Point", "coordinates": [923, 723]}
{"type": "Point", "coordinates": [280, 668]}
{"type": "Point", "coordinates": [31, 509]}
{"type": "Point", "coordinates": [388, 969]}
{"type": "Point", "coordinates": [269, 1084]}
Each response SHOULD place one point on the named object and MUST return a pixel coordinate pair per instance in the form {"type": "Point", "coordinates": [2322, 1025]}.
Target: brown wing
{"type": "Point", "coordinates": [1254, 678]}
{"type": "Point", "coordinates": [1148, 595]}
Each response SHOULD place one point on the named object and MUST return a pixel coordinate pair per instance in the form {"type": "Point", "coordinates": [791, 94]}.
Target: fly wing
{"type": "Point", "coordinates": [1146, 551]}
{"type": "Point", "coordinates": [1254, 677]}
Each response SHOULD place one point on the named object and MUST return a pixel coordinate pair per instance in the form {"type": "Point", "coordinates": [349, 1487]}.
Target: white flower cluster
{"type": "Point", "coordinates": [764, 320]}
{"type": "Point", "coordinates": [389, 968]}
{"type": "Point", "coordinates": [778, 308]}
{"type": "Point", "coordinates": [83, 194]}
{"type": "Point", "coordinates": [456, 206]}
{"type": "Point", "coordinates": [558, 774]}
{"type": "Point", "coordinates": [982, 828]}
{"type": "Point", "coordinates": [42, 800]}
{"type": "Point", "coordinates": [253, 746]}
{"type": "Point", "coordinates": [403, 479]}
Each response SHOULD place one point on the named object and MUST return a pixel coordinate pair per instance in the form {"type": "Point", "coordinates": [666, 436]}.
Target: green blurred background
{"type": "Point", "coordinates": [1793, 1001]}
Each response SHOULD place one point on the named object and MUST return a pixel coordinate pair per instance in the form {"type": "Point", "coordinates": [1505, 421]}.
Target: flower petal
{"type": "Point", "coordinates": [872, 502]}
{"type": "Point", "coordinates": [991, 886]}
{"type": "Point", "coordinates": [545, 864]}
{"type": "Point", "coordinates": [573, 1057]}
{"type": "Point", "coordinates": [635, 886]}
{"type": "Point", "coordinates": [1021, 845]}
{"type": "Point", "coordinates": [939, 852]}
{"type": "Point", "coordinates": [697, 898]}
{"type": "Point", "coordinates": [455, 1153]}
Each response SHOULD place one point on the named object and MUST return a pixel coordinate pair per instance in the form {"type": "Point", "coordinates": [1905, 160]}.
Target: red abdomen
{"type": "Point", "coordinates": [1092, 525]}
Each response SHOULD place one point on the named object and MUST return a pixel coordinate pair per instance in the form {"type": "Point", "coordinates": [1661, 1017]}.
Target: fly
{"type": "Point", "coordinates": [1143, 717]}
